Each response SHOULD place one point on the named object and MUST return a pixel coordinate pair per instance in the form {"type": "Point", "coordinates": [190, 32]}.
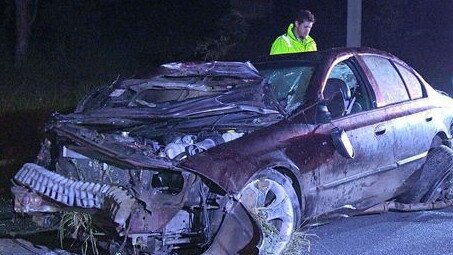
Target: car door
{"type": "Point", "coordinates": [360, 181]}
{"type": "Point", "coordinates": [414, 138]}
{"type": "Point", "coordinates": [409, 112]}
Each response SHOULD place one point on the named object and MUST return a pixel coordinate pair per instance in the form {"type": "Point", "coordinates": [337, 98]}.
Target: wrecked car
{"type": "Point", "coordinates": [232, 157]}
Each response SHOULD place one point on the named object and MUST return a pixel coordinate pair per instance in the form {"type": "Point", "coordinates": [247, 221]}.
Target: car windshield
{"type": "Point", "coordinates": [289, 82]}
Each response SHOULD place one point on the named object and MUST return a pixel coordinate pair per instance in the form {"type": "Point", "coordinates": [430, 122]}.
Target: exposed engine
{"type": "Point", "coordinates": [188, 145]}
{"type": "Point", "coordinates": [178, 146]}
{"type": "Point", "coordinates": [159, 210]}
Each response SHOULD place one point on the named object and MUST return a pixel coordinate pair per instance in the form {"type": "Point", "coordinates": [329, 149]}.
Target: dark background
{"type": "Point", "coordinates": [107, 37]}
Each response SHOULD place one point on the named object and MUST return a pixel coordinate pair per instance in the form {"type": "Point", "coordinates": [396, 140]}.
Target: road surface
{"type": "Point", "coordinates": [395, 233]}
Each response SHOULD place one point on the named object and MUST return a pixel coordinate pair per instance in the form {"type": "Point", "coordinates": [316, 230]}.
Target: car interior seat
{"type": "Point", "coordinates": [340, 99]}
{"type": "Point", "coordinates": [337, 94]}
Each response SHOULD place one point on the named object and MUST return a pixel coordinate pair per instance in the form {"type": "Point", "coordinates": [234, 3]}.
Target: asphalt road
{"type": "Point", "coordinates": [424, 232]}
{"type": "Point", "coordinates": [395, 233]}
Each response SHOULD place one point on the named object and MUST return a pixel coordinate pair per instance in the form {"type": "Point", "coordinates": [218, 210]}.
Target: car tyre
{"type": "Point", "coordinates": [272, 201]}
{"type": "Point", "coordinates": [435, 181]}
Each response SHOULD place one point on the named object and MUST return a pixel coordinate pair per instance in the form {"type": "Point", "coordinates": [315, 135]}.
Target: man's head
{"type": "Point", "coordinates": [303, 23]}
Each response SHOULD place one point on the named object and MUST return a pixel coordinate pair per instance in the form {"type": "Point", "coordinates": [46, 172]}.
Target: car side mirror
{"type": "Point", "coordinates": [342, 143]}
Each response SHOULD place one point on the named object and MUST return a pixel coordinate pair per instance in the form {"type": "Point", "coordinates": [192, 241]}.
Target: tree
{"type": "Point", "coordinates": [23, 25]}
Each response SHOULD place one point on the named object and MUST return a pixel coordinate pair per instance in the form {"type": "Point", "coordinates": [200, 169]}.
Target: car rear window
{"type": "Point", "coordinates": [413, 84]}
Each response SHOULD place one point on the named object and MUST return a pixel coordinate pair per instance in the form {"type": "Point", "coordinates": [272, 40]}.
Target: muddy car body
{"type": "Point", "coordinates": [200, 156]}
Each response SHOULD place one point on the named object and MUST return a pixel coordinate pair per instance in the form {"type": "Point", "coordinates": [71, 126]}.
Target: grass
{"type": "Point", "coordinates": [25, 90]}
{"type": "Point", "coordinates": [300, 241]}
{"type": "Point", "coordinates": [298, 244]}
{"type": "Point", "coordinates": [79, 225]}
{"type": "Point", "coordinates": [59, 81]}
{"type": "Point", "coordinates": [45, 97]}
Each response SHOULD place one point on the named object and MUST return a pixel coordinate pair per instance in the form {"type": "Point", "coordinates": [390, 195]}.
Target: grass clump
{"type": "Point", "coordinates": [298, 244]}
{"type": "Point", "coordinates": [299, 240]}
{"type": "Point", "coordinates": [79, 225]}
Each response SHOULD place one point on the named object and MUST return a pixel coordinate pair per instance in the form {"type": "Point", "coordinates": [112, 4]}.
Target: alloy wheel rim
{"type": "Point", "coordinates": [271, 206]}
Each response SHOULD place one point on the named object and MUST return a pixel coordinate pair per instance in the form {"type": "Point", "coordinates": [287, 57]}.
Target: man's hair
{"type": "Point", "coordinates": [304, 15]}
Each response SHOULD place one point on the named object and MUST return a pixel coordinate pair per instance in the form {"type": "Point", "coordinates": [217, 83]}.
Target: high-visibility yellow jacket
{"type": "Point", "coordinates": [289, 43]}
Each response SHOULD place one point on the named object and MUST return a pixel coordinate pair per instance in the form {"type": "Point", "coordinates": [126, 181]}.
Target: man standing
{"type": "Point", "coordinates": [297, 38]}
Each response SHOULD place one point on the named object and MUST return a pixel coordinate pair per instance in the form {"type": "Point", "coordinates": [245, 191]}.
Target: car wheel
{"type": "Point", "coordinates": [435, 181]}
{"type": "Point", "coordinates": [271, 200]}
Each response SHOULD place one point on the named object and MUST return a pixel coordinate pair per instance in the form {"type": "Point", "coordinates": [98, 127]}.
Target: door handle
{"type": "Point", "coordinates": [380, 130]}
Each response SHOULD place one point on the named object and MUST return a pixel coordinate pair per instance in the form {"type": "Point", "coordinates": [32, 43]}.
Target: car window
{"type": "Point", "coordinates": [343, 71]}
{"type": "Point", "coordinates": [413, 84]}
{"type": "Point", "coordinates": [354, 99]}
{"type": "Point", "coordinates": [289, 83]}
{"type": "Point", "coordinates": [389, 82]}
